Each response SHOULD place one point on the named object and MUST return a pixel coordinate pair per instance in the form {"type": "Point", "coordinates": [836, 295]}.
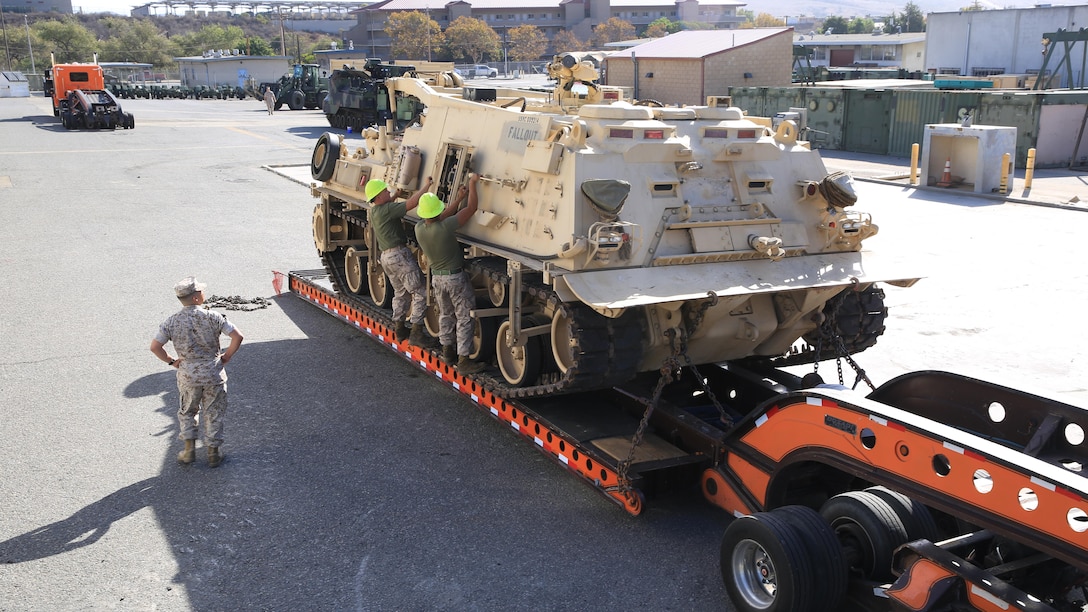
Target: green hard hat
{"type": "Point", "coordinates": [430, 206]}
{"type": "Point", "coordinates": [373, 188]}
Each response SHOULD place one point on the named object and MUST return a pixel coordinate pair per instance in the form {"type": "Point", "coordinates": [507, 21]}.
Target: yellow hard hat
{"type": "Point", "coordinates": [430, 206]}
{"type": "Point", "coordinates": [373, 188]}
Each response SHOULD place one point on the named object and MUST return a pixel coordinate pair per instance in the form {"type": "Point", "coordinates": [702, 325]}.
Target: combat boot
{"type": "Point", "coordinates": [400, 330]}
{"type": "Point", "coordinates": [214, 456]}
{"type": "Point", "coordinates": [188, 455]}
{"type": "Point", "coordinates": [468, 366]}
{"type": "Point", "coordinates": [418, 336]}
{"type": "Point", "coordinates": [449, 354]}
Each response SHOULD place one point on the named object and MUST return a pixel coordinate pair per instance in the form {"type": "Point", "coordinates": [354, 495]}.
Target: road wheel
{"type": "Point", "coordinates": [868, 529]}
{"type": "Point", "coordinates": [381, 290]}
{"type": "Point", "coordinates": [520, 365]}
{"type": "Point", "coordinates": [766, 566]}
{"type": "Point", "coordinates": [355, 270]}
{"type": "Point", "coordinates": [295, 100]}
{"type": "Point", "coordinates": [484, 332]}
{"type": "Point", "coordinates": [326, 153]}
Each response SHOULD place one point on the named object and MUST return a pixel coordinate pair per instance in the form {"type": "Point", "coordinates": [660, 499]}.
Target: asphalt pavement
{"type": "Point", "coordinates": [352, 481]}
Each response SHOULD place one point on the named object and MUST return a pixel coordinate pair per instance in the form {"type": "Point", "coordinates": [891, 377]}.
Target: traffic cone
{"type": "Point", "coordinates": [946, 176]}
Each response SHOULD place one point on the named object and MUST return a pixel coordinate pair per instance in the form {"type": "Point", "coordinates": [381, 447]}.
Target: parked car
{"type": "Point", "coordinates": [482, 71]}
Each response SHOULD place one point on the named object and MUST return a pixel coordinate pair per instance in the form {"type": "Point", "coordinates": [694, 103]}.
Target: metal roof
{"type": "Point", "coordinates": [692, 44]}
{"type": "Point", "coordinates": [826, 40]}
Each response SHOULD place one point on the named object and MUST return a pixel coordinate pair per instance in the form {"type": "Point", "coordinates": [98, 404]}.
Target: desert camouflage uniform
{"type": "Point", "coordinates": [202, 380]}
{"type": "Point", "coordinates": [455, 298]}
{"type": "Point", "coordinates": [409, 289]}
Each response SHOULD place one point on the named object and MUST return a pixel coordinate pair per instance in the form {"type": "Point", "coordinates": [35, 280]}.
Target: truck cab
{"type": "Point", "coordinates": [63, 78]}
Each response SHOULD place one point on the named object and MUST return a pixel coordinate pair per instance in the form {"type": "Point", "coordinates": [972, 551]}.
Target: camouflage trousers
{"type": "Point", "coordinates": [455, 299]}
{"type": "Point", "coordinates": [210, 402]}
{"type": "Point", "coordinates": [409, 289]}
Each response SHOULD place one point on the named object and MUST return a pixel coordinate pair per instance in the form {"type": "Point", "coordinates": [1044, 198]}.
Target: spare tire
{"type": "Point", "coordinates": [326, 153]}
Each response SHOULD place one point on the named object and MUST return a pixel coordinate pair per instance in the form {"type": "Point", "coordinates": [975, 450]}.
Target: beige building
{"type": "Point", "coordinates": [550, 16]}
{"type": "Point", "coordinates": [224, 68]}
{"type": "Point", "coordinates": [686, 67]}
{"type": "Point", "coordinates": [906, 51]}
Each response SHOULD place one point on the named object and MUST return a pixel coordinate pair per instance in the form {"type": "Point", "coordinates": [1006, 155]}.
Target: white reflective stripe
{"type": "Point", "coordinates": [564, 459]}
{"type": "Point", "coordinates": [815, 401]}
{"type": "Point", "coordinates": [878, 420]}
{"type": "Point", "coordinates": [738, 514]}
{"type": "Point", "coordinates": [761, 420]}
{"type": "Point", "coordinates": [515, 425]}
{"type": "Point", "coordinates": [539, 442]}
{"type": "Point", "coordinates": [438, 375]}
{"type": "Point", "coordinates": [1044, 484]}
{"type": "Point", "coordinates": [988, 596]}
{"type": "Point", "coordinates": [475, 398]}
{"type": "Point", "coordinates": [494, 412]}
{"type": "Point", "coordinates": [953, 447]}
{"type": "Point", "coordinates": [880, 592]}
{"type": "Point", "coordinates": [455, 385]}
{"type": "Point", "coordinates": [422, 364]}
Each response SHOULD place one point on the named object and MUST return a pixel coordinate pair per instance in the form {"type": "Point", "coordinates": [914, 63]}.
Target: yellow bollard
{"type": "Point", "coordinates": [1005, 186]}
{"type": "Point", "coordinates": [1029, 173]}
{"type": "Point", "coordinates": [914, 164]}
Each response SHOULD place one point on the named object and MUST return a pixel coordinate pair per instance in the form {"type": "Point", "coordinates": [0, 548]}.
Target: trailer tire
{"type": "Point", "coordinates": [869, 528]}
{"type": "Point", "coordinates": [825, 551]}
{"type": "Point", "coordinates": [323, 160]}
{"type": "Point", "coordinates": [916, 518]}
{"type": "Point", "coordinates": [766, 565]}
{"type": "Point", "coordinates": [130, 121]}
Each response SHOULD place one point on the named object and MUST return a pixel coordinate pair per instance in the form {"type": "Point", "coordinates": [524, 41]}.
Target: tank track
{"type": "Point", "coordinates": [607, 351]}
{"type": "Point", "coordinates": [854, 317]}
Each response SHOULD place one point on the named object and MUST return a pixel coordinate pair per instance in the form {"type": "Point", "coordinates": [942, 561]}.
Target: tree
{"type": "Point", "coordinates": [211, 37]}
{"type": "Point", "coordinates": [766, 20]}
{"type": "Point", "coordinates": [411, 34]}
{"type": "Point", "coordinates": [526, 43]}
{"type": "Point", "coordinates": [913, 19]}
{"type": "Point", "coordinates": [137, 40]}
{"type": "Point", "coordinates": [836, 25]}
{"type": "Point", "coordinates": [662, 26]}
{"type": "Point", "coordinates": [255, 45]}
{"type": "Point", "coordinates": [565, 41]}
{"type": "Point", "coordinates": [613, 30]}
{"type": "Point", "coordinates": [472, 39]}
{"type": "Point", "coordinates": [860, 25]}
{"type": "Point", "coordinates": [67, 39]}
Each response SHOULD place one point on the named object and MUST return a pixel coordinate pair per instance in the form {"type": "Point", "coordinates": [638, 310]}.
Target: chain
{"type": "Point", "coordinates": [235, 302]}
{"type": "Point", "coordinates": [829, 328]}
{"type": "Point", "coordinates": [673, 363]}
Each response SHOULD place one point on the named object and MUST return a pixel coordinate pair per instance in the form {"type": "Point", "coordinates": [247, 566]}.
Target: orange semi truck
{"type": "Point", "coordinates": [80, 98]}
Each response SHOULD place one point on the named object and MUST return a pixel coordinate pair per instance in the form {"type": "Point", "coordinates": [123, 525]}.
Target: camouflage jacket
{"type": "Point", "coordinates": [195, 333]}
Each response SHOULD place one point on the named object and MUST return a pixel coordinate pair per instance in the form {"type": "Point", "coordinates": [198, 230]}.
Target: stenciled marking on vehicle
{"type": "Point", "coordinates": [840, 424]}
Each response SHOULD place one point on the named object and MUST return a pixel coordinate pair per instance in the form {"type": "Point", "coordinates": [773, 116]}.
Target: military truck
{"type": "Point", "coordinates": [358, 98]}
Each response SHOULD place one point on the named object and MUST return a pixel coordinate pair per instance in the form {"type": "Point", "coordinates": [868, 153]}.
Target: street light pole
{"type": "Point", "coordinates": [4, 23]}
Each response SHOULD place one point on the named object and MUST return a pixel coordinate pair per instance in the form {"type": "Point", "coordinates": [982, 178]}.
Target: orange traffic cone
{"type": "Point", "coordinates": [946, 176]}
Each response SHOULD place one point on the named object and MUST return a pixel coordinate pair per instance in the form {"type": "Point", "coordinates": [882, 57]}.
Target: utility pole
{"type": "Point", "coordinates": [29, 47]}
{"type": "Point", "coordinates": [4, 23]}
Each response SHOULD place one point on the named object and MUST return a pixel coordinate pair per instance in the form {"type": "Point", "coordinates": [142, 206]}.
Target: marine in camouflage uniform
{"type": "Point", "coordinates": [452, 285]}
{"type": "Point", "coordinates": [398, 262]}
{"type": "Point", "coordinates": [202, 379]}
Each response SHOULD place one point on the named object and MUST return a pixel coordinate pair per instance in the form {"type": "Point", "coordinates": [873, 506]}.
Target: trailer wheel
{"type": "Point", "coordinates": [88, 121]}
{"type": "Point", "coordinates": [296, 100]}
{"type": "Point", "coordinates": [869, 529]}
{"type": "Point", "coordinates": [323, 160]}
{"type": "Point", "coordinates": [130, 121]}
{"type": "Point", "coordinates": [766, 566]}
{"type": "Point", "coordinates": [66, 120]}
{"type": "Point", "coordinates": [825, 552]}
{"type": "Point", "coordinates": [916, 518]}
{"type": "Point", "coordinates": [520, 365]}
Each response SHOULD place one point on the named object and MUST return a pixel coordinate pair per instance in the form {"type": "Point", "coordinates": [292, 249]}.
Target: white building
{"type": "Point", "coordinates": [983, 43]}
{"type": "Point", "coordinates": [226, 68]}
{"type": "Point", "coordinates": [906, 51]}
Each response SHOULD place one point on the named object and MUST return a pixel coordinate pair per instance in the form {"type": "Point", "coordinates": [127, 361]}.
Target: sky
{"type": "Point", "coordinates": [121, 7]}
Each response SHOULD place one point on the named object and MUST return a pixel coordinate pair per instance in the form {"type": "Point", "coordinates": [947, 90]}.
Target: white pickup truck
{"type": "Point", "coordinates": [479, 71]}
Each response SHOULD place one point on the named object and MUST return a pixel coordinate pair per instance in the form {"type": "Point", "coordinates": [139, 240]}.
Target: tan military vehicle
{"type": "Point", "coordinates": [612, 237]}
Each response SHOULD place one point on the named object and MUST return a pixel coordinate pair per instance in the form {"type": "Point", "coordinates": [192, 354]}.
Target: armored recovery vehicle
{"type": "Point", "coordinates": [612, 237]}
